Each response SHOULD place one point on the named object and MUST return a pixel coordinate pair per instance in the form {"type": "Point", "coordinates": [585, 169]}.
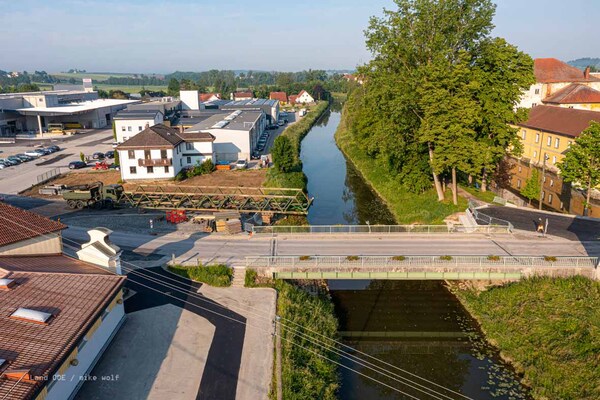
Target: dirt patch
{"type": "Point", "coordinates": [233, 178]}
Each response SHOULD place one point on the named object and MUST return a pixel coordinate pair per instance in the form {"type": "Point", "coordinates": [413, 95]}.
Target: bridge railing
{"type": "Point", "coordinates": [375, 262]}
{"type": "Point", "coordinates": [379, 229]}
{"type": "Point", "coordinates": [486, 219]}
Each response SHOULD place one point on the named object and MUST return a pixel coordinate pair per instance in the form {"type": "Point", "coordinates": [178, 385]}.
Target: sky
{"type": "Point", "coordinates": [195, 35]}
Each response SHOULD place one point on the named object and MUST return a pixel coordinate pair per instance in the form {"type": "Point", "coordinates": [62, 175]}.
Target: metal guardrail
{"type": "Point", "coordinates": [488, 220]}
{"type": "Point", "coordinates": [437, 261]}
{"type": "Point", "coordinates": [46, 176]}
{"type": "Point", "coordinates": [380, 229]}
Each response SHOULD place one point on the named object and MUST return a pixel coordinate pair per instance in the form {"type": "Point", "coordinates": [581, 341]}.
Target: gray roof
{"type": "Point", "coordinates": [250, 103]}
{"type": "Point", "coordinates": [163, 137]}
{"type": "Point", "coordinates": [137, 114]}
{"type": "Point", "coordinates": [242, 122]}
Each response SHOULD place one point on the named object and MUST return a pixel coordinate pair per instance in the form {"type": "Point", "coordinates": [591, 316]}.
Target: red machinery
{"type": "Point", "coordinates": [176, 216]}
{"type": "Point", "coordinates": [100, 165]}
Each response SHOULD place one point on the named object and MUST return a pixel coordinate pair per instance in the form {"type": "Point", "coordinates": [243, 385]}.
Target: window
{"type": "Point", "coordinates": [562, 205]}
{"type": "Point", "coordinates": [544, 179]}
{"type": "Point", "coordinates": [132, 170]}
{"type": "Point", "coordinates": [554, 160]}
{"type": "Point", "coordinates": [534, 154]}
{"type": "Point", "coordinates": [556, 143]}
{"type": "Point", "coordinates": [189, 160]}
{"type": "Point", "coordinates": [180, 162]}
{"type": "Point", "coordinates": [163, 154]}
{"type": "Point", "coordinates": [129, 128]}
{"type": "Point", "coordinates": [518, 184]}
{"type": "Point", "coordinates": [534, 104]}
{"type": "Point", "coordinates": [150, 170]}
{"type": "Point", "coordinates": [550, 198]}
{"type": "Point", "coordinates": [131, 154]}
{"type": "Point", "coordinates": [549, 141]}
{"type": "Point", "coordinates": [523, 134]}
{"type": "Point", "coordinates": [166, 169]}
{"type": "Point", "coordinates": [147, 155]}
{"type": "Point", "coordinates": [551, 182]}
{"type": "Point", "coordinates": [139, 128]}
{"type": "Point", "coordinates": [189, 146]}
{"type": "Point", "coordinates": [543, 195]}
{"type": "Point", "coordinates": [537, 137]}
{"type": "Point", "coordinates": [520, 168]}
{"type": "Point", "coordinates": [26, 314]}
{"type": "Point", "coordinates": [122, 129]}
{"type": "Point", "coordinates": [569, 143]}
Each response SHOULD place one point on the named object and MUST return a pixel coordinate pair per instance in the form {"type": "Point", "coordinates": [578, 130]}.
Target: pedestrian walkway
{"type": "Point", "coordinates": [239, 277]}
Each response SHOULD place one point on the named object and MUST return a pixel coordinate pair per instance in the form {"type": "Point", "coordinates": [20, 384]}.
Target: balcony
{"type": "Point", "coordinates": [155, 162]}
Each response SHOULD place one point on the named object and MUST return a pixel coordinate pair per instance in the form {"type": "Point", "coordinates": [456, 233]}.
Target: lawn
{"type": "Point", "coordinates": [488, 196]}
{"type": "Point", "coordinates": [214, 275]}
{"type": "Point", "coordinates": [549, 329]}
{"type": "Point", "coordinates": [130, 88]}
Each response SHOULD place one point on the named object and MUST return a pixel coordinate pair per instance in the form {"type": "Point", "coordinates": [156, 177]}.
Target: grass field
{"type": "Point", "coordinates": [130, 89]}
{"type": "Point", "coordinates": [549, 329]}
{"type": "Point", "coordinates": [94, 76]}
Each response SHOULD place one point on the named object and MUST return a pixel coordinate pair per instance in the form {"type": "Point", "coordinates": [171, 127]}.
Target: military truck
{"type": "Point", "coordinates": [95, 195]}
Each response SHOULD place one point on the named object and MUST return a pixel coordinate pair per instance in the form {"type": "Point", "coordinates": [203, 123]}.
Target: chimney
{"type": "Point", "coordinates": [147, 125]}
{"type": "Point", "coordinates": [586, 73]}
{"type": "Point", "coordinates": [101, 251]}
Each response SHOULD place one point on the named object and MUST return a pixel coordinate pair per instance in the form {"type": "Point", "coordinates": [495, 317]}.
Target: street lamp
{"type": "Point", "coordinates": [542, 183]}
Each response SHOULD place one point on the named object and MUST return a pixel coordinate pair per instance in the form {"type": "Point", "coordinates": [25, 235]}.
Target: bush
{"type": "Point", "coordinates": [305, 258]}
{"type": "Point", "coordinates": [215, 275]}
{"type": "Point", "coordinates": [493, 258]}
{"type": "Point", "coordinates": [398, 258]}
{"type": "Point", "coordinates": [352, 258]}
{"type": "Point", "coordinates": [549, 258]}
{"type": "Point", "coordinates": [250, 278]}
{"type": "Point", "coordinates": [283, 154]}
{"type": "Point", "coordinates": [446, 258]}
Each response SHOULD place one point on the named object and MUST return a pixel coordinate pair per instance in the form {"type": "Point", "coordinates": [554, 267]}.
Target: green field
{"type": "Point", "coordinates": [94, 76]}
{"type": "Point", "coordinates": [130, 88]}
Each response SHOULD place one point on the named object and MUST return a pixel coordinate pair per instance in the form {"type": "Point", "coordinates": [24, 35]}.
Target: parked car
{"type": "Point", "coordinates": [77, 164]}
{"type": "Point", "coordinates": [54, 147]}
{"type": "Point", "coordinates": [33, 153]}
{"type": "Point", "coordinates": [16, 160]}
{"type": "Point", "coordinates": [241, 164]}
{"type": "Point", "coordinates": [8, 162]}
{"type": "Point", "coordinates": [115, 144]}
{"type": "Point", "coordinates": [280, 123]}
{"type": "Point", "coordinates": [24, 157]}
{"type": "Point", "coordinates": [49, 149]}
{"type": "Point", "coordinates": [283, 114]}
{"type": "Point", "coordinates": [114, 166]}
{"type": "Point", "coordinates": [273, 126]}
{"type": "Point", "coordinates": [110, 154]}
{"type": "Point", "coordinates": [2, 165]}
{"type": "Point", "coordinates": [43, 151]}
{"type": "Point", "coordinates": [98, 155]}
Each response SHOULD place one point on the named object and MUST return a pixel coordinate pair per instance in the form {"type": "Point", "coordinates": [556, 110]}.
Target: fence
{"type": "Point", "coordinates": [46, 176]}
{"type": "Point", "coordinates": [382, 262]}
{"type": "Point", "coordinates": [486, 219]}
{"type": "Point", "coordinates": [380, 229]}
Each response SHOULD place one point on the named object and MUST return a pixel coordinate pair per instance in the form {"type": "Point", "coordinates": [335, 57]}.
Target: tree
{"type": "Point", "coordinates": [531, 190]}
{"type": "Point", "coordinates": [283, 154]}
{"type": "Point", "coordinates": [173, 88]}
{"type": "Point", "coordinates": [581, 164]}
{"type": "Point", "coordinates": [114, 129]}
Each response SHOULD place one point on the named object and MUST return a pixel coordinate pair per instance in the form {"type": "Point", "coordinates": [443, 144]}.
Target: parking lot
{"type": "Point", "coordinates": [17, 178]}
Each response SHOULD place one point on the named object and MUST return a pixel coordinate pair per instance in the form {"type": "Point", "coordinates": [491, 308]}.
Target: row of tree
{"type": "Point", "coordinates": [440, 93]}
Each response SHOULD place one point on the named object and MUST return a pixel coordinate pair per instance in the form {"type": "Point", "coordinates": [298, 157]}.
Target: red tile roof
{"type": "Point", "coordinates": [551, 70]}
{"type": "Point", "coordinates": [243, 95]}
{"type": "Point", "coordinates": [55, 263]}
{"type": "Point", "coordinates": [302, 92]}
{"type": "Point", "coordinates": [281, 96]}
{"type": "Point", "coordinates": [292, 98]}
{"type": "Point", "coordinates": [208, 96]}
{"type": "Point", "coordinates": [74, 299]}
{"type": "Point", "coordinates": [12, 219]}
{"type": "Point", "coordinates": [560, 120]}
{"type": "Point", "coordinates": [575, 93]}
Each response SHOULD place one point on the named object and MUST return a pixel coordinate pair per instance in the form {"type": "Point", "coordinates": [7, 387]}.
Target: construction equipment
{"type": "Point", "coordinates": [176, 216]}
{"type": "Point", "coordinates": [95, 195]}
{"type": "Point", "coordinates": [69, 128]}
{"type": "Point", "coordinates": [100, 165]}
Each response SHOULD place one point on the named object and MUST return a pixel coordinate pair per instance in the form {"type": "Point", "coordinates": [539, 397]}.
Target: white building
{"type": "Point", "coordinates": [236, 134]}
{"type": "Point", "coordinates": [189, 99]}
{"type": "Point", "coordinates": [304, 97]}
{"type": "Point", "coordinates": [130, 123]}
{"type": "Point", "coordinates": [160, 152]}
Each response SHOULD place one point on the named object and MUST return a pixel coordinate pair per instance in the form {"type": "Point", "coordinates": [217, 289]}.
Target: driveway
{"type": "Point", "coordinates": [170, 349]}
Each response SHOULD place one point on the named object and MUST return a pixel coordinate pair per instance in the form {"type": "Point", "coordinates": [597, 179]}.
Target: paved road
{"type": "Point", "coordinates": [22, 176]}
{"type": "Point", "coordinates": [568, 227]}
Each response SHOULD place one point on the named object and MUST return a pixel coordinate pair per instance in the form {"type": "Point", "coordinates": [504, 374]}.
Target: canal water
{"type": "Point", "coordinates": [417, 326]}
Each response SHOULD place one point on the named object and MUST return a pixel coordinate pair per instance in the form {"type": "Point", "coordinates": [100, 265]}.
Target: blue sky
{"type": "Point", "coordinates": [160, 36]}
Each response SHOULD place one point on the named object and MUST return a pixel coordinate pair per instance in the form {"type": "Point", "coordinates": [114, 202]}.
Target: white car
{"type": "Point", "coordinates": [241, 164]}
{"type": "Point", "coordinates": [33, 153]}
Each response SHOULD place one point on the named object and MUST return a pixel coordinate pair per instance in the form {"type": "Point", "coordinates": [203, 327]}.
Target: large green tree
{"type": "Point", "coordinates": [581, 164]}
{"type": "Point", "coordinates": [283, 154]}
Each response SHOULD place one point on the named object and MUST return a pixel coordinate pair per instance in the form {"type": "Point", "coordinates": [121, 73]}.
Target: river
{"type": "Point", "coordinates": [417, 326]}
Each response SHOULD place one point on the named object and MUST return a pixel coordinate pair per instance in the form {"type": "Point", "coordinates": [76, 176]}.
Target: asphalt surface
{"type": "Point", "coordinates": [220, 375]}
{"type": "Point", "coordinates": [567, 227]}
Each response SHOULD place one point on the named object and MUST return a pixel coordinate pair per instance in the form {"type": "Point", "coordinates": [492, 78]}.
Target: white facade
{"type": "Point", "coordinates": [128, 128]}
{"type": "Point", "coordinates": [304, 97]}
{"type": "Point", "coordinates": [539, 91]}
{"type": "Point", "coordinates": [193, 153]}
{"type": "Point", "coordinates": [189, 100]}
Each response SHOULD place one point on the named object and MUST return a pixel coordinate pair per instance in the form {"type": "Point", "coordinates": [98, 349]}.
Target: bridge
{"type": "Point", "coordinates": [431, 267]}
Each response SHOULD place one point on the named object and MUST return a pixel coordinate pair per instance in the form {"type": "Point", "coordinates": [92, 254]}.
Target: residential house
{"type": "Point", "coordinates": [292, 98]}
{"type": "Point", "coordinates": [246, 95]}
{"type": "Point", "coordinates": [576, 95]}
{"type": "Point", "coordinates": [280, 96]}
{"type": "Point", "coordinates": [235, 135]}
{"type": "Point", "coordinates": [304, 98]}
{"type": "Point", "coordinates": [57, 314]}
{"type": "Point", "coordinates": [160, 152]}
{"type": "Point", "coordinates": [207, 97]}
{"type": "Point", "coordinates": [129, 123]}
{"type": "Point", "coordinates": [546, 137]}
{"type": "Point", "coordinates": [552, 75]}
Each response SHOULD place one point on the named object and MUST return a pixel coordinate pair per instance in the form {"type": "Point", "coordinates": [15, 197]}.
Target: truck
{"type": "Point", "coordinates": [95, 195]}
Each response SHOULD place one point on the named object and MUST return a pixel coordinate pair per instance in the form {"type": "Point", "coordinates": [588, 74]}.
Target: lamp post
{"type": "Point", "coordinates": [543, 177]}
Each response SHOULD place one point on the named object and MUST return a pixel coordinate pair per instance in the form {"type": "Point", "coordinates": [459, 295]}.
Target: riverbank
{"type": "Point", "coordinates": [548, 329]}
{"type": "Point", "coordinates": [296, 132]}
{"type": "Point", "coordinates": [306, 369]}
{"type": "Point", "coordinates": [407, 208]}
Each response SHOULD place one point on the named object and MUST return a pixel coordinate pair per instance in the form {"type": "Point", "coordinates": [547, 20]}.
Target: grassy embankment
{"type": "Point", "coordinates": [214, 275]}
{"type": "Point", "coordinates": [305, 374]}
{"type": "Point", "coordinates": [296, 132]}
{"type": "Point", "coordinates": [406, 207]}
{"type": "Point", "coordinates": [549, 329]}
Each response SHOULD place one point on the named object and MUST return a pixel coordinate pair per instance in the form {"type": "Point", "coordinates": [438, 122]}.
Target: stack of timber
{"type": "Point", "coordinates": [234, 226]}
{"type": "Point", "coordinates": [267, 218]}
{"type": "Point", "coordinates": [222, 219]}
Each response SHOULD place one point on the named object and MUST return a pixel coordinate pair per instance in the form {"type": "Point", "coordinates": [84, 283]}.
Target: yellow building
{"type": "Point", "coordinates": [546, 136]}
{"type": "Point", "coordinates": [576, 95]}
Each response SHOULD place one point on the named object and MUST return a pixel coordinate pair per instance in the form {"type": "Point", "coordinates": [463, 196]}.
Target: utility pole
{"type": "Point", "coordinates": [543, 178]}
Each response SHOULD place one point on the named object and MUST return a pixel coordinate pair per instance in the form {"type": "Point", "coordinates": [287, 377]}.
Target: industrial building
{"type": "Point", "coordinates": [31, 112]}
{"type": "Point", "coordinates": [269, 107]}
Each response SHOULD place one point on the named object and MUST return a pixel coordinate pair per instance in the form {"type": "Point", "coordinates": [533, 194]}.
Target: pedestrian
{"type": "Point", "coordinates": [540, 226]}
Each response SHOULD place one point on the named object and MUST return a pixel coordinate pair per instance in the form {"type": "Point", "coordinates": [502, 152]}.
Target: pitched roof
{"type": "Point", "coordinates": [75, 300]}
{"type": "Point", "coordinates": [243, 94]}
{"type": "Point", "coordinates": [551, 70]}
{"type": "Point", "coordinates": [302, 92]}
{"type": "Point", "coordinates": [197, 137]}
{"type": "Point", "coordinates": [281, 96]}
{"type": "Point", "coordinates": [56, 263]}
{"type": "Point", "coordinates": [156, 137]}
{"type": "Point", "coordinates": [560, 120]}
{"type": "Point", "coordinates": [575, 93]}
{"type": "Point", "coordinates": [207, 96]}
{"type": "Point", "coordinates": [137, 114]}
{"type": "Point", "coordinates": [12, 220]}
{"type": "Point", "coordinates": [292, 98]}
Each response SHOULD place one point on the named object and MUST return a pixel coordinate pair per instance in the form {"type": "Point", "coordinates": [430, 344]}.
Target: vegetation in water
{"type": "Point", "coordinates": [214, 275]}
{"type": "Point", "coordinates": [549, 329]}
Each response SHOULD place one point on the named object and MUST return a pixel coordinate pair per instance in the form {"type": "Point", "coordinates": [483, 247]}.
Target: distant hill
{"type": "Point", "coordinates": [581, 63]}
